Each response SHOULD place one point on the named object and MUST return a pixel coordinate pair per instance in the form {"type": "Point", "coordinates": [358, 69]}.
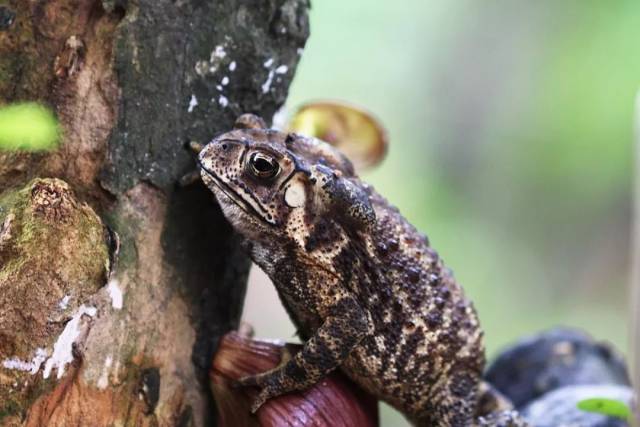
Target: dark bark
{"type": "Point", "coordinates": [123, 78]}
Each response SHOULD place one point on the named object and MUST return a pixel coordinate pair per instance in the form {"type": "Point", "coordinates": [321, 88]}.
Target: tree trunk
{"type": "Point", "coordinates": [115, 284]}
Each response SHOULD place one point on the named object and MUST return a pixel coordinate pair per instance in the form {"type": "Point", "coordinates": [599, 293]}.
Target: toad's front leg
{"type": "Point", "coordinates": [346, 324]}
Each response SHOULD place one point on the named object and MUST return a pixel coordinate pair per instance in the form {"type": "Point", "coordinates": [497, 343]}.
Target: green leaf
{"type": "Point", "coordinates": [610, 407]}
{"type": "Point", "coordinates": [28, 126]}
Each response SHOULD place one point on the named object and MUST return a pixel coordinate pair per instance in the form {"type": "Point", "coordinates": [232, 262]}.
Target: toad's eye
{"type": "Point", "coordinates": [263, 166]}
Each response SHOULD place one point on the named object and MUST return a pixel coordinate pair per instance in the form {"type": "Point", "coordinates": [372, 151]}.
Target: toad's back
{"type": "Point", "coordinates": [425, 355]}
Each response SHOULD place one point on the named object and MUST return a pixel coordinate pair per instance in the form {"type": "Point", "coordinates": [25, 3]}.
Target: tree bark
{"type": "Point", "coordinates": [115, 284]}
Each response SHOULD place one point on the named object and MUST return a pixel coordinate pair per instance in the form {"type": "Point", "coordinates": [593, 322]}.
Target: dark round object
{"type": "Point", "coordinates": [553, 359]}
{"type": "Point", "coordinates": [560, 407]}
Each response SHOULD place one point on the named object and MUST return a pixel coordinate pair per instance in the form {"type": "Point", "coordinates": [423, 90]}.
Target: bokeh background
{"type": "Point", "coordinates": [510, 127]}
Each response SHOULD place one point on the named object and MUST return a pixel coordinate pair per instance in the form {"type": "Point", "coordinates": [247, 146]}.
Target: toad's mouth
{"type": "Point", "coordinates": [248, 208]}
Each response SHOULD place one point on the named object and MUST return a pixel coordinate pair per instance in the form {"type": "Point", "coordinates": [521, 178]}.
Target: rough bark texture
{"type": "Point", "coordinates": [124, 333]}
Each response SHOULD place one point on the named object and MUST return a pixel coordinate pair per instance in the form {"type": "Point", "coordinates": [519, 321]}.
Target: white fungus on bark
{"type": "Point", "coordinates": [115, 293]}
{"type": "Point", "coordinates": [192, 103]}
{"type": "Point", "coordinates": [63, 347]}
{"type": "Point", "coordinates": [32, 367]}
{"type": "Point", "coordinates": [218, 53]}
{"type": "Point", "coordinates": [64, 302]}
{"type": "Point", "coordinates": [103, 381]}
{"type": "Point", "coordinates": [267, 84]}
{"type": "Point", "coordinates": [282, 69]}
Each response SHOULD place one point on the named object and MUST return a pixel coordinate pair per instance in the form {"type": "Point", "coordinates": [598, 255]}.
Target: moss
{"type": "Point", "coordinates": [12, 203]}
{"type": "Point", "coordinates": [126, 229]}
{"type": "Point", "coordinates": [8, 408]}
{"type": "Point", "coordinates": [7, 202]}
{"type": "Point", "coordinates": [56, 247]}
{"type": "Point", "coordinates": [79, 229]}
{"type": "Point", "coordinates": [18, 400]}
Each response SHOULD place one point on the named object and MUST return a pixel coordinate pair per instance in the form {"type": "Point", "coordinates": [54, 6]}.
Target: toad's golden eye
{"type": "Point", "coordinates": [263, 166]}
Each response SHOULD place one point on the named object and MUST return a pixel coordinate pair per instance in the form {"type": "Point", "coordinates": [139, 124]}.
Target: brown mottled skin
{"type": "Point", "coordinates": [366, 291]}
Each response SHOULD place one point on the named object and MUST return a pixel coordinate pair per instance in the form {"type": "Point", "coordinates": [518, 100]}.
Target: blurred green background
{"type": "Point", "coordinates": [510, 127]}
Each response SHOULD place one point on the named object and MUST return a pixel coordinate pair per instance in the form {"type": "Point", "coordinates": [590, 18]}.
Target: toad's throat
{"type": "Point", "coordinates": [233, 195]}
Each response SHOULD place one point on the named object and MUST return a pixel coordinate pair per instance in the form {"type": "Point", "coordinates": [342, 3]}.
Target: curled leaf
{"type": "Point", "coordinates": [355, 132]}
{"type": "Point", "coordinates": [334, 401]}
